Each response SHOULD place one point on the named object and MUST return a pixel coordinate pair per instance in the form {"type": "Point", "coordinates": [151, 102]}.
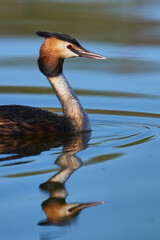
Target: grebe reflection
{"type": "Point", "coordinates": [57, 210]}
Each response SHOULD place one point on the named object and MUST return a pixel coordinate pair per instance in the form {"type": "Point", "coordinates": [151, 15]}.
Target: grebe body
{"type": "Point", "coordinates": [21, 120]}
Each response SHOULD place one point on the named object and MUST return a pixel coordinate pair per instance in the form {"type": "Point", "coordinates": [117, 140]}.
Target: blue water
{"type": "Point", "coordinates": [119, 162]}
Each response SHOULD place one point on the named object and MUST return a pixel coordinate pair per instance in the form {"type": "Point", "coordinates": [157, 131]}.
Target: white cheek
{"type": "Point", "coordinates": [70, 54]}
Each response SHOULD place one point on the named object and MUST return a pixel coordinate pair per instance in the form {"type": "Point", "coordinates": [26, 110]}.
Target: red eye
{"type": "Point", "coordinates": [69, 46]}
{"type": "Point", "coordinates": [70, 209]}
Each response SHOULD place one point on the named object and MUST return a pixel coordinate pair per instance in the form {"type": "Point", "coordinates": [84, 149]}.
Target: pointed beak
{"type": "Point", "coordinates": [87, 54]}
{"type": "Point", "coordinates": [79, 207]}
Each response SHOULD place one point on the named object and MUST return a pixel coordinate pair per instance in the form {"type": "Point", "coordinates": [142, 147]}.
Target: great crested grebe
{"type": "Point", "coordinates": [22, 120]}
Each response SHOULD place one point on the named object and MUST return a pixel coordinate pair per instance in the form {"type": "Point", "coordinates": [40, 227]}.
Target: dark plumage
{"type": "Point", "coordinates": [60, 36]}
{"type": "Point", "coordinates": [50, 70]}
{"type": "Point", "coordinates": [30, 120]}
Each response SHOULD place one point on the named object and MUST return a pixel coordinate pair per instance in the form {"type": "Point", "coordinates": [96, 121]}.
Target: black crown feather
{"type": "Point", "coordinates": [60, 36]}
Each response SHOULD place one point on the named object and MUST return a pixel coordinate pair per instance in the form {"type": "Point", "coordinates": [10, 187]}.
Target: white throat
{"type": "Point", "coordinates": [70, 104]}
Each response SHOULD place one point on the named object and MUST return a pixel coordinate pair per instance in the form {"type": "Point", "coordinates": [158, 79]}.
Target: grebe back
{"type": "Point", "coordinates": [21, 120]}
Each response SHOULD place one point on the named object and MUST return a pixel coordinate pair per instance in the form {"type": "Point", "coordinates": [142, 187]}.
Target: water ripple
{"type": "Point", "coordinates": [114, 136]}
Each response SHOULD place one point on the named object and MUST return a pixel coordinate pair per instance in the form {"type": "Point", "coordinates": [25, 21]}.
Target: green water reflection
{"type": "Point", "coordinates": [46, 90]}
{"type": "Point", "coordinates": [104, 21]}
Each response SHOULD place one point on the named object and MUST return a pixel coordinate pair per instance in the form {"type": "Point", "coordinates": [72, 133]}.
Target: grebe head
{"type": "Point", "coordinates": [57, 47]}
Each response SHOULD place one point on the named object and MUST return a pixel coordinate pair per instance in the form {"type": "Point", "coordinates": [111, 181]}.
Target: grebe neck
{"type": "Point", "coordinates": [72, 109]}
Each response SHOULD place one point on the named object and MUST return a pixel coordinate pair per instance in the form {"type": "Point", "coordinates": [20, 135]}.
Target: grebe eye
{"type": "Point", "coordinates": [69, 46]}
{"type": "Point", "coordinates": [70, 209]}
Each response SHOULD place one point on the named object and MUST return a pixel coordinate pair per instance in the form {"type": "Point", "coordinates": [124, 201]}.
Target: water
{"type": "Point", "coordinates": [118, 163]}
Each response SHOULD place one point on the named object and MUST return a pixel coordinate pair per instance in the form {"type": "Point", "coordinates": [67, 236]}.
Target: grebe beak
{"type": "Point", "coordinates": [87, 54]}
{"type": "Point", "coordinates": [79, 207]}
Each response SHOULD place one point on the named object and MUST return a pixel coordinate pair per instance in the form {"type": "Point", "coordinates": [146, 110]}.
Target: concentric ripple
{"type": "Point", "coordinates": [118, 135]}
{"type": "Point", "coordinates": [114, 136]}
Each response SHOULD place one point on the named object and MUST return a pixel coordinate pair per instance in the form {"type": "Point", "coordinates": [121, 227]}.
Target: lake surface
{"type": "Point", "coordinates": [49, 185]}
